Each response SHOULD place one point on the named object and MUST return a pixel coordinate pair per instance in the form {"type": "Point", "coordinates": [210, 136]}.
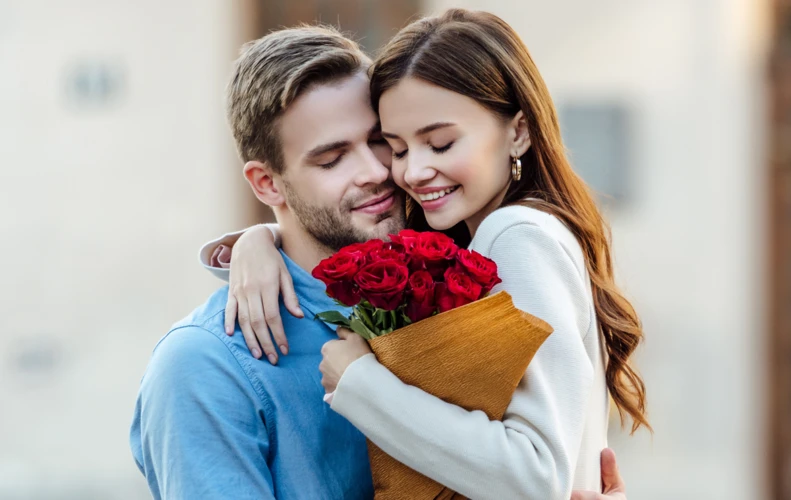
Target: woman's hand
{"type": "Point", "coordinates": [258, 275]}
{"type": "Point", "coordinates": [338, 355]}
{"type": "Point", "coordinates": [611, 480]}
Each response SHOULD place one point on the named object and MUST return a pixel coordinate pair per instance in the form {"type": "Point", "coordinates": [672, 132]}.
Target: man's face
{"type": "Point", "coordinates": [336, 176]}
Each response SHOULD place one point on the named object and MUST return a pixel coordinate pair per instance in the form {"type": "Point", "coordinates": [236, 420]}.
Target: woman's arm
{"type": "Point", "coordinates": [215, 255]}
{"type": "Point", "coordinates": [532, 453]}
{"type": "Point", "coordinates": [251, 262]}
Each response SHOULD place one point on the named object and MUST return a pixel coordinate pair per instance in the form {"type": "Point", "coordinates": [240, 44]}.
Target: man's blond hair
{"type": "Point", "coordinates": [272, 72]}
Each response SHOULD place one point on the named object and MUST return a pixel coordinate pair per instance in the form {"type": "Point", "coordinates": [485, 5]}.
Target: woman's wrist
{"type": "Point", "coordinates": [346, 382]}
{"type": "Point", "coordinates": [257, 237]}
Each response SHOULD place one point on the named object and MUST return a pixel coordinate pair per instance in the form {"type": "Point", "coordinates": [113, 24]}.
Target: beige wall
{"type": "Point", "coordinates": [103, 208]}
{"type": "Point", "coordinates": [690, 246]}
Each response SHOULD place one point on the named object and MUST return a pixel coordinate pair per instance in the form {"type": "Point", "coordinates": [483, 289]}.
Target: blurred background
{"type": "Point", "coordinates": [116, 164]}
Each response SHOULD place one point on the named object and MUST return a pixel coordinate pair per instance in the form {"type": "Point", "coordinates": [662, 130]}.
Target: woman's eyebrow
{"type": "Point", "coordinates": [423, 130]}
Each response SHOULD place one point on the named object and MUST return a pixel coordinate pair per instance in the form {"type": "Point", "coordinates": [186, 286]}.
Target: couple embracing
{"type": "Point", "coordinates": [450, 129]}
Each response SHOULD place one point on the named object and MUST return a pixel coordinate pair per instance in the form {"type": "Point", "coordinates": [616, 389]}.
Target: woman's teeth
{"type": "Point", "coordinates": [436, 194]}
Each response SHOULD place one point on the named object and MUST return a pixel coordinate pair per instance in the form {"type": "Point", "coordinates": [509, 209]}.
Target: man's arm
{"type": "Point", "coordinates": [612, 483]}
{"type": "Point", "coordinates": [199, 429]}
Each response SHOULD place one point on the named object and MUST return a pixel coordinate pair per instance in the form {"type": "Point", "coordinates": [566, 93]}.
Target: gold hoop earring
{"type": "Point", "coordinates": [516, 168]}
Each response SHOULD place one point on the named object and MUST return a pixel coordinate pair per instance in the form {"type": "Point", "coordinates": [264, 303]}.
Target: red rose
{"type": "Point", "coordinates": [362, 251]}
{"type": "Point", "coordinates": [406, 238]}
{"type": "Point", "coordinates": [480, 268]}
{"type": "Point", "coordinates": [337, 267]}
{"type": "Point", "coordinates": [383, 283]}
{"type": "Point", "coordinates": [421, 303]}
{"type": "Point", "coordinates": [388, 253]}
{"type": "Point", "coordinates": [459, 289]}
{"type": "Point", "coordinates": [433, 252]}
{"type": "Point", "coordinates": [345, 292]}
{"type": "Point", "coordinates": [337, 272]}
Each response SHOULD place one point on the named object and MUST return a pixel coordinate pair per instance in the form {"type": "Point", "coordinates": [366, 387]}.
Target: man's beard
{"type": "Point", "coordinates": [332, 227]}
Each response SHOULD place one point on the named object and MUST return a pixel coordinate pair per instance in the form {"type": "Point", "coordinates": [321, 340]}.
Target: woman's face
{"type": "Point", "coordinates": [450, 154]}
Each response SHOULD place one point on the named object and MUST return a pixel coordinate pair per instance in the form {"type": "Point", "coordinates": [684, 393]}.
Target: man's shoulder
{"type": "Point", "coordinates": [192, 365]}
{"type": "Point", "coordinates": [198, 344]}
{"type": "Point", "coordinates": [210, 315]}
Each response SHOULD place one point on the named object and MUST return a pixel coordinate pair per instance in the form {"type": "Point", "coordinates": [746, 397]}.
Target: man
{"type": "Point", "coordinates": [211, 420]}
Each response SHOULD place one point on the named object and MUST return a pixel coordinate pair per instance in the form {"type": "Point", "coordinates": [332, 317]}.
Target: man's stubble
{"type": "Point", "coordinates": [332, 227]}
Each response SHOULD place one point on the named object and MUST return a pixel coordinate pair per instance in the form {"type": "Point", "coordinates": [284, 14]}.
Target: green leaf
{"type": "Point", "coordinates": [379, 318]}
{"type": "Point", "coordinates": [333, 318]}
{"type": "Point", "coordinates": [359, 328]}
{"type": "Point", "coordinates": [364, 315]}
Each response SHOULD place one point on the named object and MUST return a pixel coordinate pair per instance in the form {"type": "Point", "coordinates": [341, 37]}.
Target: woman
{"type": "Point", "coordinates": [476, 144]}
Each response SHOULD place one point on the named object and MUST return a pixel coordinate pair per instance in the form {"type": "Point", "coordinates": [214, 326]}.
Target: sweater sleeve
{"type": "Point", "coordinates": [226, 242]}
{"type": "Point", "coordinates": [532, 452]}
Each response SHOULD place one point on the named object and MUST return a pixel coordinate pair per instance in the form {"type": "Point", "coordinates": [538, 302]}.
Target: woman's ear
{"type": "Point", "coordinates": [521, 135]}
{"type": "Point", "coordinates": [262, 179]}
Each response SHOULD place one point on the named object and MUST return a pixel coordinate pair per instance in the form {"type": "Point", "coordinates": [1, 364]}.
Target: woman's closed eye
{"type": "Point", "coordinates": [437, 150]}
{"type": "Point", "coordinates": [442, 149]}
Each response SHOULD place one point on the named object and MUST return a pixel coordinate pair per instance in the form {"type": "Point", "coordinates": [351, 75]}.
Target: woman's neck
{"type": "Point", "coordinates": [473, 222]}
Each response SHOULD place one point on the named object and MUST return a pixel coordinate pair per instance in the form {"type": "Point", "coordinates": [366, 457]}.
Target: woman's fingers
{"type": "Point", "coordinates": [247, 329]}
{"type": "Point", "coordinates": [259, 327]}
{"type": "Point", "coordinates": [290, 299]}
{"type": "Point", "coordinates": [230, 314]}
{"type": "Point", "coordinates": [273, 319]}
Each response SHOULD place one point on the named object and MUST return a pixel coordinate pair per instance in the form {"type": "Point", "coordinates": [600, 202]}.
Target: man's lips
{"type": "Point", "coordinates": [377, 205]}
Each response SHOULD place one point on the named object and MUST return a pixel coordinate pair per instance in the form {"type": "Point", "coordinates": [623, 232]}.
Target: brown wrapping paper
{"type": "Point", "coordinates": [473, 356]}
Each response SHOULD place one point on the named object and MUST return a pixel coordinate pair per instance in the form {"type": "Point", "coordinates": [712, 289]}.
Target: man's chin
{"type": "Point", "coordinates": [381, 229]}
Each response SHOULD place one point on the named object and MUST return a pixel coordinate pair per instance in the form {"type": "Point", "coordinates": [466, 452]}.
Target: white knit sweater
{"type": "Point", "coordinates": [555, 427]}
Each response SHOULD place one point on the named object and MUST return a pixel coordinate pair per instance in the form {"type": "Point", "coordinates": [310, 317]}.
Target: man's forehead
{"type": "Point", "coordinates": [331, 112]}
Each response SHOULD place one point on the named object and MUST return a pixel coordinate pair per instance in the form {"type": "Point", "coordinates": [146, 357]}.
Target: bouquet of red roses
{"type": "Point", "coordinates": [423, 305]}
{"type": "Point", "coordinates": [392, 284]}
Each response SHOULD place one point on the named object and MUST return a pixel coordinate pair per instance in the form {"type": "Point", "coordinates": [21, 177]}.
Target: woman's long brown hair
{"type": "Point", "coordinates": [478, 55]}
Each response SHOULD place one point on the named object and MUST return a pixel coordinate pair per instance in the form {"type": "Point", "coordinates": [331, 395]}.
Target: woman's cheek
{"type": "Point", "coordinates": [398, 174]}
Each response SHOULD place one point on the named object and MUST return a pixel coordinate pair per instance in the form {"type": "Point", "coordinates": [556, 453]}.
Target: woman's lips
{"type": "Point", "coordinates": [433, 205]}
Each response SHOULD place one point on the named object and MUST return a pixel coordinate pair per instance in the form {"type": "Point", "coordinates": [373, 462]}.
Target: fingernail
{"type": "Point", "coordinates": [272, 358]}
{"type": "Point", "coordinates": [301, 313]}
{"type": "Point", "coordinates": [284, 349]}
{"type": "Point", "coordinates": [229, 332]}
{"type": "Point", "coordinates": [256, 353]}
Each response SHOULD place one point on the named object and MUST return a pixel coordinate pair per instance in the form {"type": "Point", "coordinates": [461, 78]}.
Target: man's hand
{"type": "Point", "coordinates": [612, 482]}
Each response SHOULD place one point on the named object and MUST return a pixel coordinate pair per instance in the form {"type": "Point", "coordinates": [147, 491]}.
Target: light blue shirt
{"type": "Point", "coordinates": [212, 422]}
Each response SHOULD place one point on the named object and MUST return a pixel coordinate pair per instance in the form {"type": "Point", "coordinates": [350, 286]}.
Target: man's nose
{"type": "Point", "coordinates": [372, 171]}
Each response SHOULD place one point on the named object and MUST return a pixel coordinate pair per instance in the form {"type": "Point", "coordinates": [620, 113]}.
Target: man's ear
{"type": "Point", "coordinates": [520, 135]}
{"type": "Point", "coordinates": [262, 179]}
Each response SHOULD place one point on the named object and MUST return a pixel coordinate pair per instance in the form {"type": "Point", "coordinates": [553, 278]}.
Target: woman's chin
{"type": "Point", "coordinates": [442, 223]}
